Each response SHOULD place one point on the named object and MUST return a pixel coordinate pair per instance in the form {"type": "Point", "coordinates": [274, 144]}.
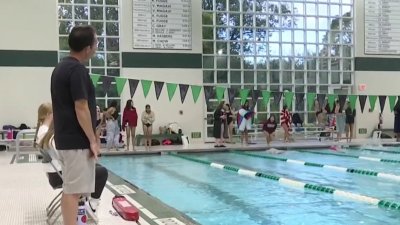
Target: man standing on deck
{"type": "Point", "coordinates": [74, 113]}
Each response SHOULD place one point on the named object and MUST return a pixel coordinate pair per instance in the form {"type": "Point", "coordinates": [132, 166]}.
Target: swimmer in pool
{"type": "Point", "coordinates": [274, 151]}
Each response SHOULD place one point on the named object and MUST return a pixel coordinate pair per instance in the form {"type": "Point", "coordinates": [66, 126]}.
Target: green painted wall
{"type": "Point", "coordinates": [19, 58]}
{"type": "Point", "coordinates": [161, 60]}
{"type": "Point", "coordinates": [22, 58]}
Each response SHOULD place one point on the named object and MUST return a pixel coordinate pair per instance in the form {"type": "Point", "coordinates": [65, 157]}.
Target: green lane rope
{"type": "Point", "coordinates": [297, 184]}
{"type": "Point", "coordinates": [354, 156]}
{"type": "Point", "coordinates": [336, 168]}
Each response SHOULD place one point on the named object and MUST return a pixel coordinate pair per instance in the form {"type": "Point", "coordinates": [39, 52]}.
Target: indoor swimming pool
{"type": "Point", "coordinates": [213, 196]}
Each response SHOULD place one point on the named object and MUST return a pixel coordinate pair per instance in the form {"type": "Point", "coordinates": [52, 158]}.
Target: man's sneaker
{"type": "Point", "coordinates": [91, 208]}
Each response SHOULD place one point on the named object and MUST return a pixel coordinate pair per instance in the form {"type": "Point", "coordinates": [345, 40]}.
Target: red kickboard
{"type": "Point", "coordinates": [125, 209]}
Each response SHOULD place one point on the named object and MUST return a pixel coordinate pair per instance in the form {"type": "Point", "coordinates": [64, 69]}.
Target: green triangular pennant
{"type": "Point", "coordinates": [95, 78]}
{"type": "Point", "coordinates": [289, 98]}
{"type": "Point", "coordinates": [220, 93]}
{"type": "Point", "coordinates": [353, 100]}
{"type": "Point", "coordinates": [146, 84]}
{"type": "Point", "coordinates": [266, 96]}
{"type": "Point", "coordinates": [311, 100]}
{"type": "Point", "coordinates": [372, 101]}
{"type": "Point", "coordinates": [331, 100]}
{"type": "Point", "coordinates": [195, 92]}
{"type": "Point", "coordinates": [120, 82]}
{"type": "Point", "coordinates": [244, 93]}
{"type": "Point", "coordinates": [171, 88]}
{"type": "Point", "coordinates": [392, 102]}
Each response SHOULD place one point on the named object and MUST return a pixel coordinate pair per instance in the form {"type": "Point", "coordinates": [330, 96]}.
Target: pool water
{"type": "Point", "coordinates": [218, 197]}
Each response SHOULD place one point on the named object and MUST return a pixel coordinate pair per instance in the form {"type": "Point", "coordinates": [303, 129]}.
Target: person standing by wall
{"type": "Point", "coordinates": [350, 115]}
{"type": "Point", "coordinates": [397, 120]}
{"type": "Point", "coordinates": [330, 112]}
{"type": "Point", "coordinates": [340, 120]}
{"type": "Point", "coordinates": [230, 114]}
{"type": "Point", "coordinates": [244, 117]}
{"type": "Point", "coordinates": [286, 122]}
{"type": "Point", "coordinates": [112, 126]}
{"type": "Point", "coordinates": [74, 114]}
{"type": "Point", "coordinates": [129, 123]}
{"type": "Point", "coordinates": [148, 119]}
{"type": "Point", "coordinates": [319, 114]}
{"type": "Point", "coordinates": [219, 125]}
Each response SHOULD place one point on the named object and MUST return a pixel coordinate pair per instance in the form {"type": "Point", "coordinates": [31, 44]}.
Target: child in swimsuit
{"type": "Point", "coordinates": [286, 121]}
{"type": "Point", "coordinates": [148, 119]}
{"type": "Point", "coordinates": [269, 128]}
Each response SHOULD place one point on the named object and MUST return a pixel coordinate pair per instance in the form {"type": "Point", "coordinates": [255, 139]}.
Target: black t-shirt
{"type": "Point", "coordinates": [70, 81]}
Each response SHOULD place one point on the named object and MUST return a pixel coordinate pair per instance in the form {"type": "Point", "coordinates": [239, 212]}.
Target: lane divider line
{"type": "Point", "coordinates": [354, 156]}
{"type": "Point", "coordinates": [370, 158]}
{"type": "Point", "coordinates": [297, 184]}
{"type": "Point", "coordinates": [388, 176]}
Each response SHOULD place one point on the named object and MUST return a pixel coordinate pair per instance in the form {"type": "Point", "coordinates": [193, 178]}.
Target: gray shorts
{"type": "Point", "coordinates": [78, 171]}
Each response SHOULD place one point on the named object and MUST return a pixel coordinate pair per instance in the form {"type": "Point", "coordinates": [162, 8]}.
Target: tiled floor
{"type": "Point", "coordinates": [25, 192]}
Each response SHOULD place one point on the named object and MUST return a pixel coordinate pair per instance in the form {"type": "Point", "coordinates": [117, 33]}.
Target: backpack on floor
{"type": "Point", "coordinates": [155, 142]}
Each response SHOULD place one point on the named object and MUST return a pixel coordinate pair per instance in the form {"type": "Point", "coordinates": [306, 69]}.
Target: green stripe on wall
{"type": "Point", "coordinates": [161, 60]}
{"type": "Point", "coordinates": [377, 64]}
{"type": "Point", "coordinates": [27, 58]}
{"type": "Point", "coordinates": [22, 58]}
